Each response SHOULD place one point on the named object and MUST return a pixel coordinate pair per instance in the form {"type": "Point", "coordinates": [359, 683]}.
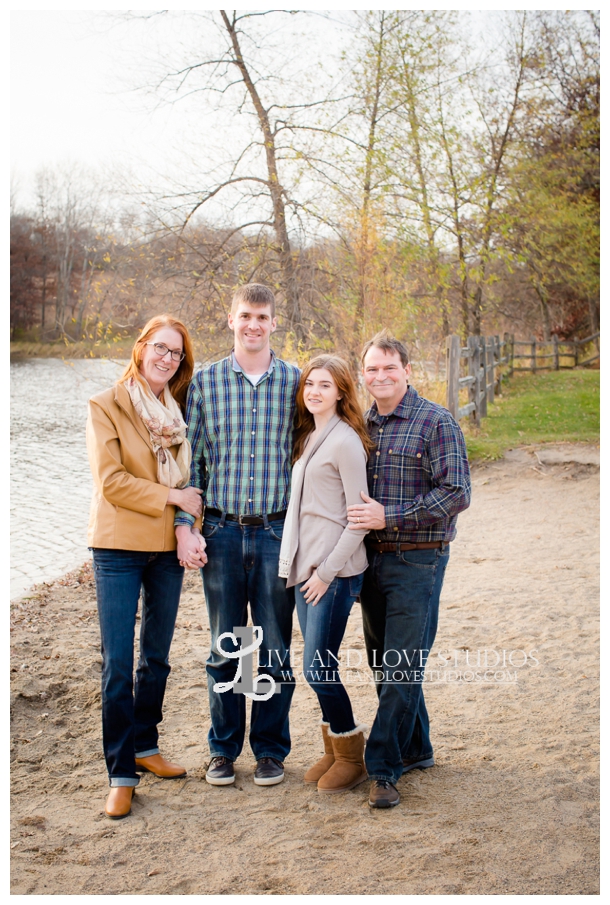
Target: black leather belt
{"type": "Point", "coordinates": [246, 519]}
{"type": "Point", "coordinates": [380, 547]}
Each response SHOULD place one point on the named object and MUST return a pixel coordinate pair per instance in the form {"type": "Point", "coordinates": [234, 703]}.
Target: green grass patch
{"type": "Point", "coordinates": [538, 408]}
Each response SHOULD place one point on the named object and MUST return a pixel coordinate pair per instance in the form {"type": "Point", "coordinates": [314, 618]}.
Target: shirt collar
{"type": "Point", "coordinates": [237, 367]}
{"type": "Point", "coordinates": [402, 410]}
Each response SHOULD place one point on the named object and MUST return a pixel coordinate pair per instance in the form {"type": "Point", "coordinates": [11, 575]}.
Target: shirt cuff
{"type": "Point", "coordinates": [323, 574]}
{"type": "Point", "coordinates": [184, 519]}
{"type": "Point", "coordinates": [397, 517]}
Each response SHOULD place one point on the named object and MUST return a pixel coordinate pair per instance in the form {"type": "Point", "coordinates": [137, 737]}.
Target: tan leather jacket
{"type": "Point", "coordinates": [129, 508]}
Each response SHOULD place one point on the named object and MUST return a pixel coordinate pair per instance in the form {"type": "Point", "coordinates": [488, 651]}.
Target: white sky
{"type": "Point", "coordinates": [70, 97]}
{"type": "Point", "coordinates": [66, 97]}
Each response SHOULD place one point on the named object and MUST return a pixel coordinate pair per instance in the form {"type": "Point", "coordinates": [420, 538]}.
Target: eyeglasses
{"type": "Point", "coordinates": [162, 350]}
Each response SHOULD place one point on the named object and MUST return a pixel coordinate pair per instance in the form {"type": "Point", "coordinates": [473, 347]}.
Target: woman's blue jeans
{"type": "Point", "coordinates": [130, 718]}
{"type": "Point", "coordinates": [323, 628]}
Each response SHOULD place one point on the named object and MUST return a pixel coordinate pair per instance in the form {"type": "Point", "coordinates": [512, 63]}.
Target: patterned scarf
{"type": "Point", "coordinates": [166, 427]}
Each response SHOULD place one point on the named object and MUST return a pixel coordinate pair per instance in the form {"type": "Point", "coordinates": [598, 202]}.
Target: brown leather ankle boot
{"type": "Point", "coordinates": [325, 763]}
{"type": "Point", "coordinates": [348, 769]}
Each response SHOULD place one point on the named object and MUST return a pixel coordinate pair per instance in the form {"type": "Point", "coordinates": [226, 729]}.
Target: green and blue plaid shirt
{"type": "Point", "coordinates": [418, 470]}
{"type": "Point", "coordinates": [241, 437]}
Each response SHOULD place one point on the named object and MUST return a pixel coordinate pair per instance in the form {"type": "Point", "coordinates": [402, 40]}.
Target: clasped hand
{"type": "Point", "coordinates": [191, 547]}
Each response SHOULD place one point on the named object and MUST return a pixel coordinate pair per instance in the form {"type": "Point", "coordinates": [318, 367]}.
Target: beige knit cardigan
{"type": "Point", "coordinates": [325, 481]}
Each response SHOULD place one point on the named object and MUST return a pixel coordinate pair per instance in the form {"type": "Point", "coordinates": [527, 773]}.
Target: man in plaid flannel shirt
{"type": "Point", "coordinates": [419, 480]}
{"type": "Point", "coordinates": [240, 420]}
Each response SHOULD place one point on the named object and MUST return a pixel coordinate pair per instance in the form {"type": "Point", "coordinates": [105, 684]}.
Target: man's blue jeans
{"type": "Point", "coordinates": [130, 719]}
{"type": "Point", "coordinates": [323, 628]}
{"type": "Point", "coordinates": [242, 568]}
{"type": "Point", "coordinates": [400, 600]}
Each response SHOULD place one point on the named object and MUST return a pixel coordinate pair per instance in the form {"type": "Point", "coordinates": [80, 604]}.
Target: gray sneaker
{"type": "Point", "coordinates": [269, 772]}
{"type": "Point", "coordinates": [417, 763]}
{"type": "Point", "coordinates": [220, 772]}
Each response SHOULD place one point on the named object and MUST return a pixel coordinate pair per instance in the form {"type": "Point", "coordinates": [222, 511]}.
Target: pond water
{"type": "Point", "coordinates": [50, 479]}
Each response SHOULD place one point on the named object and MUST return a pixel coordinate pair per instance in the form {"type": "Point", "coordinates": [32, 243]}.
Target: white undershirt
{"type": "Point", "coordinates": [254, 378]}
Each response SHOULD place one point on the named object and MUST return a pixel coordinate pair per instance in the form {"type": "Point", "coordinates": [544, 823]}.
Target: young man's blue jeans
{"type": "Point", "coordinates": [323, 628]}
{"type": "Point", "coordinates": [242, 568]}
{"type": "Point", "coordinates": [400, 600]}
{"type": "Point", "coordinates": [130, 718]}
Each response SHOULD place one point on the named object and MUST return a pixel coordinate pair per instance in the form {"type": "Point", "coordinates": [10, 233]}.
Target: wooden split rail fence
{"type": "Point", "coordinates": [559, 350]}
{"type": "Point", "coordinates": [490, 359]}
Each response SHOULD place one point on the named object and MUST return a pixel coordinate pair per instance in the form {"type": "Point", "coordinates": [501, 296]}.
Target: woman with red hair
{"type": "Point", "coordinates": [140, 460]}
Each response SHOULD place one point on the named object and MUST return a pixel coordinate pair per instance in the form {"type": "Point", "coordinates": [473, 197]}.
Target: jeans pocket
{"type": "Point", "coordinates": [420, 559]}
{"type": "Point", "coordinates": [276, 530]}
{"type": "Point", "coordinates": [209, 528]}
{"type": "Point", "coordinates": [355, 585]}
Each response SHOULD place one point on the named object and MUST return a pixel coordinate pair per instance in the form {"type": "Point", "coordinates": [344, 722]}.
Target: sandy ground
{"type": "Point", "coordinates": [510, 808]}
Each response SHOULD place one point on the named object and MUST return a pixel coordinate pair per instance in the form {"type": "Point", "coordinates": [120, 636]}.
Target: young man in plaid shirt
{"type": "Point", "coordinates": [239, 414]}
{"type": "Point", "coordinates": [419, 480]}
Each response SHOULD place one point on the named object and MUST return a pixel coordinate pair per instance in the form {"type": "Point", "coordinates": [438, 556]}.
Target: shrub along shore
{"type": "Point", "coordinates": [557, 406]}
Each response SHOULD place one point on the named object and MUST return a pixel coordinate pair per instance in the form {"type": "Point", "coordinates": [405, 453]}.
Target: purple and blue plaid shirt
{"type": "Point", "coordinates": [418, 471]}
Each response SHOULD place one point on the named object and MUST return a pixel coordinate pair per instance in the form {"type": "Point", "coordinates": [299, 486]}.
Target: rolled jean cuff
{"type": "Point", "coordinates": [148, 753]}
{"type": "Point", "coordinates": [116, 781]}
{"type": "Point", "coordinates": [377, 777]}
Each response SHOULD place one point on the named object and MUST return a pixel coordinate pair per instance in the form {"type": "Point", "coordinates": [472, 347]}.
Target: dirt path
{"type": "Point", "coordinates": [510, 808]}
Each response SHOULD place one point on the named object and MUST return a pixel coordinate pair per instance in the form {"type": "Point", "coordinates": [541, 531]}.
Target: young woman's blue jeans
{"type": "Point", "coordinates": [130, 718]}
{"type": "Point", "coordinates": [323, 628]}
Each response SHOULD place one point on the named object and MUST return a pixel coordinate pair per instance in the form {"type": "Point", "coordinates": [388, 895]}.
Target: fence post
{"type": "Point", "coordinates": [498, 358]}
{"type": "Point", "coordinates": [454, 348]}
{"type": "Point", "coordinates": [474, 367]}
{"type": "Point", "coordinates": [576, 354]}
{"type": "Point", "coordinates": [555, 352]}
{"type": "Point", "coordinates": [508, 351]}
{"type": "Point", "coordinates": [483, 377]}
{"type": "Point", "coordinates": [491, 361]}
{"type": "Point", "coordinates": [533, 341]}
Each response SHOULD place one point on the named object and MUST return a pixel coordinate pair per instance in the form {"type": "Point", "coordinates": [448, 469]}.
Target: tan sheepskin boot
{"type": "Point", "coordinates": [325, 763]}
{"type": "Point", "coordinates": [348, 769]}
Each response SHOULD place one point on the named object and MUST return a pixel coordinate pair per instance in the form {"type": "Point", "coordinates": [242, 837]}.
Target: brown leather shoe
{"type": "Point", "coordinates": [383, 794]}
{"type": "Point", "coordinates": [326, 761]}
{"type": "Point", "coordinates": [118, 803]}
{"type": "Point", "coordinates": [159, 766]}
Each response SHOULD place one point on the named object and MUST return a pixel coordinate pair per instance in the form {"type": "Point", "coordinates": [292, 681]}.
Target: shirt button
{"type": "Point", "coordinates": [419, 455]}
{"type": "Point", "coordinates": [251, 455]}
{"type": "Point", "coordinates": [395, 529]}
{"type": "Point", "coordinates": [380, 430]}
{"type": "Point", "coordinates": [251, 477]}
{"type": "Point", "coordinates": [251, 501]}
{"type": "Point", "coordinates": [375, 476]}
{"type": "Point", "coordinates": [377, 453]}
{"type": "Point", "coordinates": [253, 410]}
{"type": "Point", "coordinates": [253, 432]}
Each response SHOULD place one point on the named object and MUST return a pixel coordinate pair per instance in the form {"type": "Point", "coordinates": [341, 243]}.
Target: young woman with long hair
{"type": "Point", "coordinates": [323, 558]}
{"type": "Point", "coordinates": [140, 460]}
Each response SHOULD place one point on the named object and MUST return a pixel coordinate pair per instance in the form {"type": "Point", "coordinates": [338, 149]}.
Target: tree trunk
{"type": "Point", "coordinates": [275, 189]}
{"type": "Point", "coordinates": [363, 239]}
